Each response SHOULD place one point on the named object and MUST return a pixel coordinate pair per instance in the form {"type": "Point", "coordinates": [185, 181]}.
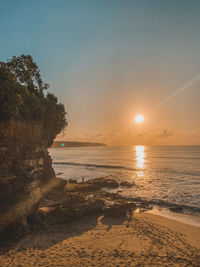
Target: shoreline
{"type": "Point", "coordinates": [162, 206]}
{"type": "Point", "coordinates": [143, 240]}
{"type": "Point", "coordinates": [77, 224]}
{"type": "Point", "coordinates": [189, 219]}
{"type": "Point", "coordinates": [159, 204]}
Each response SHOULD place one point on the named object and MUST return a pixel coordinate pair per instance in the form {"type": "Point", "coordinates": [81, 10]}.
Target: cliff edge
{"type": "Point", "coordinates": [25, 166]}
{"type": "Point", "coordinates": [29, 122]}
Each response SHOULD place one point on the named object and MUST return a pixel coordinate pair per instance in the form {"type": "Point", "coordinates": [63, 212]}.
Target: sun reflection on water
{"type": "Point", "coordinates": [140, 155]}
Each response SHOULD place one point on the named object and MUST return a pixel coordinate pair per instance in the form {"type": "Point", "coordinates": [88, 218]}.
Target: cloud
{"type": "Point", "coordinates": [165, 133]}
{"type": "Point", "coordinates": [90, 136]}
{"type": "Point", "coordinates": [98, 135]}
{"type": "Point", "coordinates": [141, 134]}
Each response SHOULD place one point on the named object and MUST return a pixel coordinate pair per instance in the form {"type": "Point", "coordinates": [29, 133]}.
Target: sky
{"type": "Point", "coordinates": [109, 60]}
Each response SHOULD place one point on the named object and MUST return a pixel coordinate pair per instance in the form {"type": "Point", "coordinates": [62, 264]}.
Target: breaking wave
{"type": "Point", "coordinates": [93, 165]}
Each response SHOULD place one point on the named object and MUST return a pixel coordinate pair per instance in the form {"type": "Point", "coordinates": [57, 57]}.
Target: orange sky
{"type": "Point", "coordinates": [107, 61]}
{"type": "Point", "coordinates": [168, 120]}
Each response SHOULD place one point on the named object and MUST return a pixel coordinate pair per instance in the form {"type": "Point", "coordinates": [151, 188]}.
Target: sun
{"type": "Point", "coordinates": [139, 118]}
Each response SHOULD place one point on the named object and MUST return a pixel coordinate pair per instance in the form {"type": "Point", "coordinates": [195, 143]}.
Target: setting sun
{"type": "Point", "coordinates": [139, 118]}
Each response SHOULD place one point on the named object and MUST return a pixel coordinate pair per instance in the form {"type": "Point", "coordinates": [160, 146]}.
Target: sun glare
{"type": "Point", "coordinates": [139, 118]}
{"type": "Point", "coordinates": [140, 155]}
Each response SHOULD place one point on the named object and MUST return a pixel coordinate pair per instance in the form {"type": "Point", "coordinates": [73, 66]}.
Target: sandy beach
{"type": "Point", "coordinates": [143, 240]}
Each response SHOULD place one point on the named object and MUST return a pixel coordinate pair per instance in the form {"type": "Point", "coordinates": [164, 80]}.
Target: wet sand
{"type": "Point", "coordinates": [144, 240]}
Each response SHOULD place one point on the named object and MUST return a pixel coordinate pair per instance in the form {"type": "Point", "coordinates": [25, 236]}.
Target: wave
{"type": "Point", "coordinates": [173, 206]}
{"type": "Point", "coordinates": [93, 165]}
{"type": "Point", "coordinates": [183, 207]}
{"type": "Point", "coordinates": [178, 172]}
{"type": "Point", "coordinates": [175, 157]}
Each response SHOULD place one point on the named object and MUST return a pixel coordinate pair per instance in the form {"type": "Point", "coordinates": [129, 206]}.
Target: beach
{"type": "Point", "coordinates": [114, 209]}
{"type": "Point", "coordinates": [100, 133]}
{"type": "Point", "coordinates": [142, 240]}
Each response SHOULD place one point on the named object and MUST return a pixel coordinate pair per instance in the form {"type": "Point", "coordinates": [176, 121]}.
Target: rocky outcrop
{"type": "Point", "coordinates": [61, 206]}
{"type": "Point", "coordinates": [25, 170]}
{"type": "Point", "coordinates": [96, 184]}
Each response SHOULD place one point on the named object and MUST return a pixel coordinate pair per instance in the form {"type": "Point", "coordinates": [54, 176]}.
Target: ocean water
{"type": "Point", "coordinates": [162, 174]}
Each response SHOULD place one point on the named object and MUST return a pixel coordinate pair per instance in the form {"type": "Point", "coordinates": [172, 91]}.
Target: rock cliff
{"type": "Point", "coordinates": [25, 168]}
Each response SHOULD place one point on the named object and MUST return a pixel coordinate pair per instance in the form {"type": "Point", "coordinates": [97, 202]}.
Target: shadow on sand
{"type": "Point", "coordinates": [45, 238]}
{"type": "Point", "coordinates": [55, 234]}
{"type": "Point", "coordinates": [110, 221]}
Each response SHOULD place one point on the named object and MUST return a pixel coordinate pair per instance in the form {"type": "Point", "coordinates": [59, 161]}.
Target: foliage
{"type": "Point", "coordinates": [22, 95]}
{"type": "Point", "coordinates": [27, 72]}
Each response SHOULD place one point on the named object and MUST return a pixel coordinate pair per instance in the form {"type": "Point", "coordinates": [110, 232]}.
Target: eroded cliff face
{"type": "Point", "coordinates": [25, 168]}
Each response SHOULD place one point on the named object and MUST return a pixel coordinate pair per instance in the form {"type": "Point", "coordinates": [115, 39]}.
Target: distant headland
{"type": "Point", "coordinates": [57, 144]}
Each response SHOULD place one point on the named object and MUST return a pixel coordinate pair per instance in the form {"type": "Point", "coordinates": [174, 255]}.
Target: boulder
{"type": "Point", "coordinates": [65, 212]}
{"type": "Point", "coordinates": [72, 181]}
{"type": "Point", "coordinates": [176, 208]}
{"type": "Point", "coordinates": [126, 184]}
{"type": "Point", "coordinates": [115, 211]}
{"type": "Point", "coordinates": [119, 209]}
{"type": "Point", "coordinates": [92, 185]}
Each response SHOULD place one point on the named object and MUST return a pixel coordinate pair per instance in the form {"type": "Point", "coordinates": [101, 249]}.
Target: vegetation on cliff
{"type": "Point", "coordinates": [23, 96]}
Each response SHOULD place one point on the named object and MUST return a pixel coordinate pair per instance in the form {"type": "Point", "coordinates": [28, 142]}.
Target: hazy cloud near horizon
{"type": "Point", "coordinates": [161, 137]}
{"type": "Point", "coordinates": [165, 133]}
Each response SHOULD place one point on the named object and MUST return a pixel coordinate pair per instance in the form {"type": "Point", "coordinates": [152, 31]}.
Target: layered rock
{"type": "Point", "coordinates": [70, 201]}
{"type": "Point", "coordinates": [25, 170]}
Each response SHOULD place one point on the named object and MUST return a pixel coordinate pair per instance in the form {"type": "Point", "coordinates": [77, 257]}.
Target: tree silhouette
{"type": "Point", "coordinates": [27, 72]}
{"type": "Point", "coordinates": [22, 97]}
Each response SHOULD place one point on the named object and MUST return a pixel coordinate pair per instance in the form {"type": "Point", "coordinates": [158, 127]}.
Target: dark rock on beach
{"type": "Point", "coordinates": [176, 208]}
{"type": "Point", "coordinates": [126, 184]}
{"type": "Point", "coordinates": [119, 209]}
{"type": "Point", "coordinates": [81, 199]}
{"type": "Point", "coordinates": [92, 185]}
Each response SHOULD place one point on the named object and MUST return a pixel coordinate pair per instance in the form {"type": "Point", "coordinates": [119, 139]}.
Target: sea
{"type": "Point", "coordinates": [165, 176]}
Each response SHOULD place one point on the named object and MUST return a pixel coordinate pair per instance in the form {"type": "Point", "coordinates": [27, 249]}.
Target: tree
{"type": "Point", "coordinates": [27, 72]}
{"type": "Point", "coordinates": [22, 97]}
{"type": "Point", "coordinates": [10, 94]}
